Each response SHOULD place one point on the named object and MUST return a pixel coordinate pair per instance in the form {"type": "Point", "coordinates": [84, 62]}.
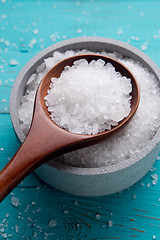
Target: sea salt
{"type": "Point", "coordinates": [66, 212]}
{"type": "Point", "coordinates": [154, 176]}
{"type": "Point", "coordinates": [98, 216]}
{"type": "Point", "coordinates": [52, 223]}
{"type": "Point", "coordinates": [110, 223]}
{"type": "Point", "coordinates": [35, 31]}
{"type": "Point", "coordinates": [89, 98]}
{"type": "Point", "coordinates": [15, 201]}
{"type": "Point", "coordinates": [125, 144]}
{"type": "Point", "coordinates": [13, 62]}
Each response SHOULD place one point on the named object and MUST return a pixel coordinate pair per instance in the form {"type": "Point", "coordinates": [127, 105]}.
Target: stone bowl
{"type": "Point", "coordinates": [89, 181]}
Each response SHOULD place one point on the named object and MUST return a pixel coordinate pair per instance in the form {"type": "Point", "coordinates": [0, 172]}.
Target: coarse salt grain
{"type": "Point", "coordinates": [89, 98]}
{"type": "Point", "coordinates": [123, 145]}
{"type": "Point", "coordinates": [98, 216]}
{"type": "Point", "coordinates": [13, 62]}
{"type": "Point", "coordinates": [110, 223]}
{"type": "Point", "coordinates": [52, 223]}
{"type": "Point", "coordinates": [15, 201]}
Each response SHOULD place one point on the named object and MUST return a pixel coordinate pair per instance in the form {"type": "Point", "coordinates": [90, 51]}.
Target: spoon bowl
{"type": "Point", "coordinates": [47, 138]}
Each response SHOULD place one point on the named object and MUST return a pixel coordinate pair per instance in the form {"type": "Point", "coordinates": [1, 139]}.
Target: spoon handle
{"type": "Point", "coordinates": [43, 139]}
{"type": "Point", "coordinates": [24, 162]}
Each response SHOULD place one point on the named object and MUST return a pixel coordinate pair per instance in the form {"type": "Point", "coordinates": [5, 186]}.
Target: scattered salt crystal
{"type": "Point", "coordinates": [154, 176]}
{"type": "Point", "coordinates": [32, 42]}
{"type": "Point", "coordinates": [15, 201]}
{"type": "Point", "coordinates": [154, 182]}
{"type": "Point", "coordinates": [154, 237]}
{"type": "Point", "coordinates": [38, 210]}
{"type": "Point", "coordinates": [7, 43]}
{"type": "Point", "coordinates": [152, 169]}
{"type": "Point", "coordinates": [16, 228]}
{"type": "Point", "coordinates": [52, 223]}
{"type": "Point", "coordinates": [141, 14]}
{"type": "Point", "coordinates": [66, 212]}
{"type": "Point", "coordinates": [13, 62]}
{"type": "Point", "coordinates": [158, 158]}
{"type": "Point", "coordinates": [35, 31]}
{"type": "Point", "coordinates": [53, 37]}
{"type": "Point", "coordinates": [2, 229]}
{"type": "Point", "coordinates": [142, 184]}
{"type": "Point", "coordinates": [148, 185]}
{"type": "Point", "coordinates": [3, 16]}
{"type": "Point", "coordinates": [4, 235]}
{"type": "Point", "coordinates": [110, 223]}
{"type": "Point", "coordinates": [119, 31]}
{"type": "Point", "coordinates": [2, 149]}
{"type": "Point", "coordinates": [3, 100]}
{"type": "Point", "coordinates": [134, 196]}
{"type": "Point", "coordinates": [33, 203]}
{"type": "Point", "coordinates": [144, 46]}
{"type": "Point", "coordinates": [79, 30]}
{"type": "Point", "coordinates": [7, 215]}
{"type": "Point", "coordinates": [98, 216]}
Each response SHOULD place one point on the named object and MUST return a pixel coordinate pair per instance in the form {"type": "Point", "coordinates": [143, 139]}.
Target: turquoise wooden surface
{"type": "Point", "coordinates": [135, 213]}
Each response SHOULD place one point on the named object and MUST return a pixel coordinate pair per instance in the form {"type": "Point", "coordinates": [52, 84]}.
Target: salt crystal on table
{"type": "Point", "coordinates": [15, 201]}
{"type": "Point", "coordinates": [2, 229]}
{"type": "Point", "coordinates": [98, 216]}
{"type": "Point", "coordinates": [66, 212]}
{"type": "Point", "coordinates": [134, 196]}
{"type": "Point", "coordinates": [110, 223]}
{"type": "Point", "coordinates": [154, 182]}
{"type": "Point", "coordinates": [13, 62]}
{"type": "Point", "coordinates": [35, 31]}
{"type": "Point", "coordinates": [4, 235]}
{"type": "Point", "coordinates": [154, 176]}
{"type": "Point", "coordinates": [16, 227]}
{"type": "Point", "coordinates": [52, 223]}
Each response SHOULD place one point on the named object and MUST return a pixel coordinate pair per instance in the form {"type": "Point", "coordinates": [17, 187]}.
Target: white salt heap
{"type": "Point", "coordinates": [89, 98]}
{"type": "Point", "coordinates": [125, 144]}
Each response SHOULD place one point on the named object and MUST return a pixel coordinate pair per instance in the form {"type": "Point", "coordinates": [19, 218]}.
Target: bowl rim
{"type": "Point", "coordinates": [81, 170]}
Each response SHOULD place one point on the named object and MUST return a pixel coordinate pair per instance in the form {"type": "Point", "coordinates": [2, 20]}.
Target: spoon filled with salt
{"type": "Point", "coordinates": [46, 139]}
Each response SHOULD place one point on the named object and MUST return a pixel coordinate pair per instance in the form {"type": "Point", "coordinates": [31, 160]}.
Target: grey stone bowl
{"type": "Point", "coordinates": [89, 181]}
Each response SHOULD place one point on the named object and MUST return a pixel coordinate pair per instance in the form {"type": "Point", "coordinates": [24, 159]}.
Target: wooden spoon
{"type": "Point", "coordinates": [45, 137]}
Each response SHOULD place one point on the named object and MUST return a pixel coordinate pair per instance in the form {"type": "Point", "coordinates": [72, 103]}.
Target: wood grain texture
{"type": "Point", "coordinates": [135, 213]}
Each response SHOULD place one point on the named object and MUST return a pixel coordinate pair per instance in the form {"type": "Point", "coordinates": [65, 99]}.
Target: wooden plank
{"type": "Point", "coordinates": [79, 217]}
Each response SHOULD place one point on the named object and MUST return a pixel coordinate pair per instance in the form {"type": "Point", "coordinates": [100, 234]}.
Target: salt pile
{"type": "Point", "coordinates": [89, 98]}
{"type": "Point", "coordinates": [125, 144]}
